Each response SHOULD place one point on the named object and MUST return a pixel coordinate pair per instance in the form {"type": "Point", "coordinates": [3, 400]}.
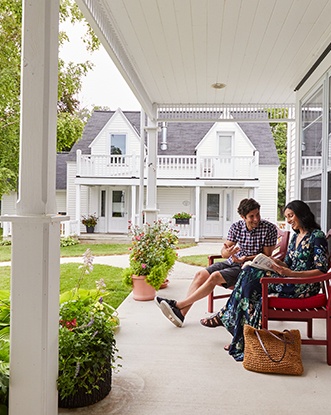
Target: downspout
{"type": "Point", "coordinates": [164, 144]}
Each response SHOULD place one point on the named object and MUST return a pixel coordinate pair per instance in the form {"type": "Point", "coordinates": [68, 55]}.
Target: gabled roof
{"type": "Point", "coordinates": [61, 171]}
{"type": "Point", "coordinates": [182, 137]}
{"type": "Point", "coordinates": [95, 124]}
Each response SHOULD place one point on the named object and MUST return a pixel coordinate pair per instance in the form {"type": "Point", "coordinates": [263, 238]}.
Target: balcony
{"type": "Point", "coordinates": [183, 167]}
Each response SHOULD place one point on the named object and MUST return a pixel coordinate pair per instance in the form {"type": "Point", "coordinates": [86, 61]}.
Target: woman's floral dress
{"type": "Point", "coordinates": [244, 306]}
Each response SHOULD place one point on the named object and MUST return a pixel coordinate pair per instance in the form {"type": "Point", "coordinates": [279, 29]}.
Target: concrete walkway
{"type": "Point", "coordinates": [185, 371]}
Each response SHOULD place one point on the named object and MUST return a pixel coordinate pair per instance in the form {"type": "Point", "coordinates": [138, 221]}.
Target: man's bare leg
{"type": "Point", "coordinates": [200, 289]}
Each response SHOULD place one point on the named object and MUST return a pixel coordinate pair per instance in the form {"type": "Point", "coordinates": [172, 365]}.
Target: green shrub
{"type": "Point", "coordinates": [69, 241]}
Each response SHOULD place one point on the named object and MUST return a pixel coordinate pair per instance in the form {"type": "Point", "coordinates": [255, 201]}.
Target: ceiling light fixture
{"type": "Point", "coordinates": [218, 85]}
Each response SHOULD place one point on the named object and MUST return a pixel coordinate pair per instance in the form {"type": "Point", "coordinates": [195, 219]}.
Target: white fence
{"type": "Point", "coordinates": [184, 167]}
{"type": "Point", "coordinates": [72, 228]}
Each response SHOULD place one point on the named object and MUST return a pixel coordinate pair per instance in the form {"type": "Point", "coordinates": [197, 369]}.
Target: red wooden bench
{"type": "Point", "coordinates": [301, 309]}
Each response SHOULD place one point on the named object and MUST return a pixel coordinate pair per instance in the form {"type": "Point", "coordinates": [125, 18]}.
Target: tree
{"type": "Point", "coordinates": [279, 132]}
{"type": "Point", "coordinates": [70, 120]}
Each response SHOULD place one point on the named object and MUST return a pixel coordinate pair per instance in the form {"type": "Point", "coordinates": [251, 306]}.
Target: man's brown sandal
{"type": "Point", "coordinates": [212, 321]}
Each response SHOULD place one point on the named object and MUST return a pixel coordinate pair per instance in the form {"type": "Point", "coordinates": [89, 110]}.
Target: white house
{"type": "Point", "coordinates": [204, 169]}
{"type": "Point", "coordinates": [184, 61]}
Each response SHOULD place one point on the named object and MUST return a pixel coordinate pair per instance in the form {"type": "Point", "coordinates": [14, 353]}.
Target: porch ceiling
{"type": "Point", "coordinates": [171, 51]}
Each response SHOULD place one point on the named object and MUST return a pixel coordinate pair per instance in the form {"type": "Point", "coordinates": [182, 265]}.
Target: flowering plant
{"type": "Point", "coordinates": [153, 252]}
{"type": "Point", "coordinates": [90, 220]}
{"type": "Point", "coordinates": [87, 346]}
{"type": "Point", "coordinates": [182, 215]}
{"type": "Point", "coordinates": [4, 349]}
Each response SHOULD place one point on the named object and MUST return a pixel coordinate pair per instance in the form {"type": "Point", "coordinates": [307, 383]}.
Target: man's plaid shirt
{"type": "Point", "coordinates": [252, 242]}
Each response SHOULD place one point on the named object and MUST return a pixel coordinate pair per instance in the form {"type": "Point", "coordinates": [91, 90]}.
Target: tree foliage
{"type": "Point", "coordinates": [70, 120]}
{"type": "Point", "coordinates": [279, 132]}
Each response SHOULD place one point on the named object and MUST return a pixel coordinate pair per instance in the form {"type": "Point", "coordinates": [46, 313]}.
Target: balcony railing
{"type": "Point", "coordinates": [184, 167]}
{"type": "Point", "coordinates": [310, 164]}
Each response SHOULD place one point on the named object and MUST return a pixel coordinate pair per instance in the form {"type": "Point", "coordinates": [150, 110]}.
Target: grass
{"type": "Point", "coordinates": [78, 250]}
{"type": "Point", "coordinates": [97, 249]}
{"type": "Point", "coordinates": [5, 253]}
{"type": "Point", "coordinates": [199, 260]}
{"type": "Point", "coordinates": [70, 274]}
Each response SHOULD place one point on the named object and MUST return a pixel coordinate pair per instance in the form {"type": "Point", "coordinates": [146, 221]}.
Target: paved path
{"type": "Point", "coordinates": [122, 261]}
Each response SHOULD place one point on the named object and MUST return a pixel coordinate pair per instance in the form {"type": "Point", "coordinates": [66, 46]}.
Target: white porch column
{"type": "Point", "coordinates": [141, 168]}
{"type": "Point", "coordinates": [151, 196]}
{"type": "Point", "coordinates": [36, 228]}
{"type": "Point", "coordinates": [133, 204]}
{"type": "Point", "coordinates": [78, 208]}
{"type": "Point", "coordinates": [197, 214]}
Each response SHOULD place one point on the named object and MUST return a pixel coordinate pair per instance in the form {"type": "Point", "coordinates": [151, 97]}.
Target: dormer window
{"type": "Point", "coordinates": [118, 144]}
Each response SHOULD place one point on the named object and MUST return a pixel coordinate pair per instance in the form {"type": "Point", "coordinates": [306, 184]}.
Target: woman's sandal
{"type": "Point", "coordinates": [212, 321]}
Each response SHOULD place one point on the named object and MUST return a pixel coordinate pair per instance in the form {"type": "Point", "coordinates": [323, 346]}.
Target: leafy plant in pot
{"type": "Point", "coordinates": [4, 350]}
{"type": "Point", "coordinates": [90, 221]}
{"type": "Point", "coordinates": [182, 218]}
{"type": "Point", "coordinates": [152, 256]}
{"type": "Point", "coordinates": [87, 345]}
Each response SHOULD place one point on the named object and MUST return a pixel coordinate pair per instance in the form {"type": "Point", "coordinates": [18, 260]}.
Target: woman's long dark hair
{"type": "Point", "coordinates": [304, 214]}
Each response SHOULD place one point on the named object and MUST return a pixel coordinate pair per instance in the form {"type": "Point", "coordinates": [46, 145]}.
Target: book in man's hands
{"type": "Point", "coordinates": [261, 261]}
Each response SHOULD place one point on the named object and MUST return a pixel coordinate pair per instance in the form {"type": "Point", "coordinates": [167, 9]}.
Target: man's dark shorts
{"type": "Point", "coordinates": [229, 272]}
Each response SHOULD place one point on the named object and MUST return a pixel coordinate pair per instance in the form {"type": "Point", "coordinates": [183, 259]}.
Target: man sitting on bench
{"type": "Point", "coordinates": [246, 238]}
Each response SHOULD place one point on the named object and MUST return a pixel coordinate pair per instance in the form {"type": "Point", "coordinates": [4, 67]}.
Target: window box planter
{"type": "Point", "coordinates": [182, 221]}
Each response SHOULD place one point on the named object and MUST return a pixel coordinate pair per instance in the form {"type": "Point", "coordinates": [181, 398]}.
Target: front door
{"type": "Point", "coordinates": [118, 216]}
{"type": "Point", "coordinates": [212, 213]}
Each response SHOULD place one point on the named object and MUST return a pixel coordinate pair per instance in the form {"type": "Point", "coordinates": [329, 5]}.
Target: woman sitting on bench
{"type": "Point", "coordinates": [307, 256]}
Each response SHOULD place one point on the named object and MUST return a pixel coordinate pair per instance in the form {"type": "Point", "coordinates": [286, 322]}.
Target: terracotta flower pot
{"type": "Point", "coordinates": [164, 284]}
{"type": "Point", "coordinates": [141, 290]}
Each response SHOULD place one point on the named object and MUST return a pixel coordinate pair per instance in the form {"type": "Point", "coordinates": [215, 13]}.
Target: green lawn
{"type": "Point", "coordinates": [70, 273]}
{"type": "Point", "coordinates": [78, 250]}
{"type": "Point", "coordinates": [199, 260]}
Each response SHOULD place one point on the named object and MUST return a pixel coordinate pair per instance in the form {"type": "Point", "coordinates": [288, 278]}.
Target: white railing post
{"type": "Point", "coordinates": [79, 162]}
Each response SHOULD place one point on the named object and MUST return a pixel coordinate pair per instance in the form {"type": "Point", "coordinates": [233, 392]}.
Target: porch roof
{"type": "Point", "coordinates": [171, 53]}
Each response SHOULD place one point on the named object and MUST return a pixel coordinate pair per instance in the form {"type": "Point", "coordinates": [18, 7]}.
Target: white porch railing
{"type": "Point", "coordinates": [185, 167]}
{"type": "Point", "coordinates": [71, 227]}
{"type": "Point", "coordinates": [310, 164]}
{"type": "Point", "coordinates": [184, 231]}
{"type": "Point", "coordinates": [67, 228]}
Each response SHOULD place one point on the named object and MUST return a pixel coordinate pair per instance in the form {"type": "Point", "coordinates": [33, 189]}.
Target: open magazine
{"type": "Point", "coordinates": [261, 261]}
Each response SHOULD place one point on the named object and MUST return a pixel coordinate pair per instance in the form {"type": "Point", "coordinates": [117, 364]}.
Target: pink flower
{"type": "Point", "coordinates": [143, 266]}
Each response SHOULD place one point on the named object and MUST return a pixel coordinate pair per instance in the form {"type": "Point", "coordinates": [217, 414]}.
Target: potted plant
{"type": "Point", "coordinates": [90, 222]}
{"type": "Point", "coordinates": [153, 254]}
{"type": "Point", "coordinates": [182, 218]}
{"type": "Point", "coordinates": [87, 346]}
{"type": "Point", "coordinates": [4, 350]}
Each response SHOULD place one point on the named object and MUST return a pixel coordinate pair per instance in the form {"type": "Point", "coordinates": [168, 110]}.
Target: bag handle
{"type": "Point", "coordinates": [284, 341]}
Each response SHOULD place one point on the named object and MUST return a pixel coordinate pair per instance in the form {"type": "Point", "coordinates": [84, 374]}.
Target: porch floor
{"type": "Point", "coordinates": [167, 370]}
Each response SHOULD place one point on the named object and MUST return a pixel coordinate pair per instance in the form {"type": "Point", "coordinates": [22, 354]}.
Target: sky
{"type": "Point", "coordinates": [104, 85]}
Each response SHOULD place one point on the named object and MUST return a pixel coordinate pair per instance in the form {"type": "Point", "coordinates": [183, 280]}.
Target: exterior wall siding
{"type": "Point", "coordinates": [268, 192]}
{"type": "Point", "coordinates": [173, 200]}
{"type": "Point", "coordinates": [118, 124]}
{"type": "Point", "coordinates": [241, 146]}
{"type": "Point", "coordinates": [291, 163]}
